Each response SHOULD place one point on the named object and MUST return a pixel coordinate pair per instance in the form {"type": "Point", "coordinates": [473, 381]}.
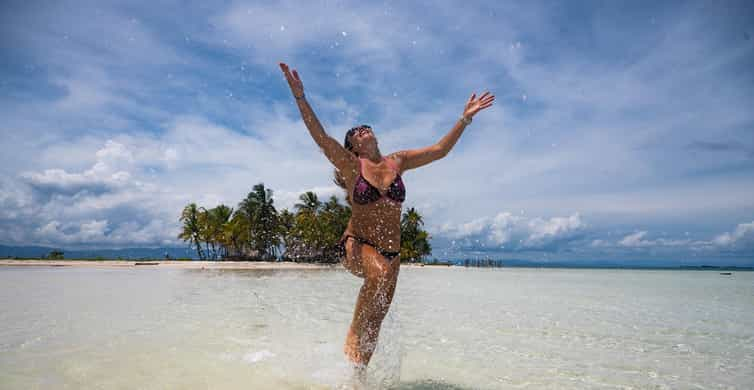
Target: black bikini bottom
{"type": "Point", "coordinates": [387, 254]}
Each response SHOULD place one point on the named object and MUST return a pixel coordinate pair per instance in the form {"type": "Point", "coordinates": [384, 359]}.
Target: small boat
{"type": "Point", "coordinates": [146, 263]}
{"type": "Point", "coordinates": [726, 273]}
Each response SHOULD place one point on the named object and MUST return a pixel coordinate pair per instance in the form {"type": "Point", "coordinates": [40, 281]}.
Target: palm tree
{"type": "Point", "coordinates": [309, 202]}
{"type": "Point", "coordinates": [191, 228]}
{"type": "Point", "coordinates": [332, 222]}
{"type": "Point", "coordinates": [411, 218]}
{"type": "Point", "coordinates": [218, 218]}
{"type": "Point", "coordinates": [286, 225]}
{"type": "Point", "coordinates": [260, 212]}
{"type": "Point", "coordinates": [205, 232]}
{"type": "Point", "coordinates": [414, 240]}
{"type": "Point", "coordinates": [236, 235]}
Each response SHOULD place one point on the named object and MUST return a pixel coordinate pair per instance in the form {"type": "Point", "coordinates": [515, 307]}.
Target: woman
{"type": "Point", "coordinates": [375, 190]}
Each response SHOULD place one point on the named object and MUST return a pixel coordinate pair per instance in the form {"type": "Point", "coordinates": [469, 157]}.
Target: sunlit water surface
{"type": "Point", "coordinates": [449, 328]}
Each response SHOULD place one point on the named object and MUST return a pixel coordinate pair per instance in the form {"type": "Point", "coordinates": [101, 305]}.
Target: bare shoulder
{"type": "Point", "coordinates": [351, 170]}
{"type": "Point", "coordinates": [397, 159]}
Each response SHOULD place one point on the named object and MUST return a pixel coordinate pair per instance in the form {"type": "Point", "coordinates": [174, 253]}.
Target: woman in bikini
{"type": "Point", "coordinates": [375, 191]}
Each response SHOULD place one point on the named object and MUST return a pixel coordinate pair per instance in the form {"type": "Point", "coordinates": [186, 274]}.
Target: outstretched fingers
{"type": "Point", "coordinates": [284, 67]}
{"type": "Point", "coordinates": [286, 72]}
{"type": "Point", "coordinates": [487, 102]}
{"type": "Point", "coordinates": [293, 79]}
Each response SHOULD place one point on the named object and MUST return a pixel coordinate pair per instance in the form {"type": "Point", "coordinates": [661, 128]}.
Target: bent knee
{"type": "Point", "coordinates": [352, 259]}
{"type": "Point", "coordinates": [354, 269]}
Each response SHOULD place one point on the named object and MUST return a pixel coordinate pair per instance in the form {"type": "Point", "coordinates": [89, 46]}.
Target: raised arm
{"type": "Point", "coordinates": [414, 158]}
{"type": "Point", "coordinates": [335, 152]}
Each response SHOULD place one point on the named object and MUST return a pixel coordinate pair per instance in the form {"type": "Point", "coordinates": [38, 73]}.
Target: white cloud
{"type": "Point", "coordinates": [512, 232]}
{"type": "Point", "coordinates": [106, 204]}
{"type": "Point", "coordinates": [556, 228]}
{"type": "Point", "coordinates": [637, 240]}
{"type": "Point", "coordinates": [107, 173]}
{"type": "Point", "coordinates": [742, 236]}
{"type": "Point", "coordinates": [87, 231]}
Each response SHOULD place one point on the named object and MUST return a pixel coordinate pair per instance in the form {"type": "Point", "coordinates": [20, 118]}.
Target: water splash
{"type": "Point", "coordinates": [384, 369]}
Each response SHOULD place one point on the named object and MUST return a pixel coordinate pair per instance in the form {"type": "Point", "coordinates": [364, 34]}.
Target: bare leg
{"type": "Point", "coordinates": [372, 305]}
{"type": "Point", "coordinates": [352, 261]}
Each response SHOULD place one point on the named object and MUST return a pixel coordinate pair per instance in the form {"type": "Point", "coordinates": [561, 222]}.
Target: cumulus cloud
{"type": "Point", "coordinates": [123, 198]}
{"type": "Point", "coordinates": [86, 231]}
{"type": "Point", "coordinates": [106, 204]}
{"type": "Point", "coordinates": [508, 232]}
{"type": "Point", "coordinates": [107, 174]}
{"type": "Point", "coordinates": [741, 237]}
{"type": "Point", "coordinates": [637, 240]}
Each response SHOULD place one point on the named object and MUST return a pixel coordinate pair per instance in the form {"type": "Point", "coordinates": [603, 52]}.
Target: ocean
{"type": "Point", "coordinates": [448, 328]}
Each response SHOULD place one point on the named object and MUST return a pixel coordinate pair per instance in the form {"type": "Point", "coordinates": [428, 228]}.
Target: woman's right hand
{"type": "Point", "coordinates": [297, 87]}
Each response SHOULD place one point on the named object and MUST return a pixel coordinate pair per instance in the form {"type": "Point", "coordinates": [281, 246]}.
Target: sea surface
{"type": "Point", "coordinates": [448, 328]}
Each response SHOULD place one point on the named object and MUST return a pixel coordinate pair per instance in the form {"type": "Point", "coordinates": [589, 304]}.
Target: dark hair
{"type": "Point", "coordinates": [339, 179]}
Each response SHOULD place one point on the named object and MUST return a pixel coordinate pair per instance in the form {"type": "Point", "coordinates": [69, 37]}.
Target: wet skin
{"type": "Point", "coordinates": [378, 222]}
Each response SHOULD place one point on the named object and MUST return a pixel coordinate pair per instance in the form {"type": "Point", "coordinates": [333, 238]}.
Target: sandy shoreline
{"type": "Point", "coordinates": [175, 264]}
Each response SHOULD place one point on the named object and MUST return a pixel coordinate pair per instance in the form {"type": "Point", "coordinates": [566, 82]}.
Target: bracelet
{"type": "Point", "coordinates": [466, 120]}
{"type": "Point", "coordinates": [299, 97]}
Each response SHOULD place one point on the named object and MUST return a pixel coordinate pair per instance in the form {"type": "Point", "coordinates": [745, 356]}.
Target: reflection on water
{"type": "Point", "coordinates": [448, 328]}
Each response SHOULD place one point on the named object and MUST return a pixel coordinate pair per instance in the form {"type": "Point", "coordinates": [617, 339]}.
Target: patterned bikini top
{"type": "Point", "coordinates": [364, 192]}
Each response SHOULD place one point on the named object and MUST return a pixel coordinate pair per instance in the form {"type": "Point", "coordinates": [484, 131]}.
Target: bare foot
{"type": "Point", "coordinates": [358, 379]}
{"type": "Point", "coordinates": [353, 354]}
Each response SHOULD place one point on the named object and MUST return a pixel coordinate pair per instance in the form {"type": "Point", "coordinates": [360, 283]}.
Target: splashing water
{"type": "Point", "coordinates": [385, 367]}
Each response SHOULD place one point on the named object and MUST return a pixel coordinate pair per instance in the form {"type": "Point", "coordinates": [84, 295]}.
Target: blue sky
{"type": "Point", "coordinates": [620, 132]}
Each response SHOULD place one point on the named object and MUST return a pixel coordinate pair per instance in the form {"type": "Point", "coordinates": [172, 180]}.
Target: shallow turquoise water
{"type": "Point", "coordinates": [452, 328]}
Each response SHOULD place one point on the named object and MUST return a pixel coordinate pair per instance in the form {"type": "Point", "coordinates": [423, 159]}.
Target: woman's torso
{"type": "Point", "coordinates": [377, 221]}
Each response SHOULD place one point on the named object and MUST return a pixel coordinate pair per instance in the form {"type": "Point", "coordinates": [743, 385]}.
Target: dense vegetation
{"type": "Point", "coordinates": [255, 230]}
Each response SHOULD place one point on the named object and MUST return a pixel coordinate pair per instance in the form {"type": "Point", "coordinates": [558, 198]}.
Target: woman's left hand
{"type": "Point", "coordinates": [475, 105]}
